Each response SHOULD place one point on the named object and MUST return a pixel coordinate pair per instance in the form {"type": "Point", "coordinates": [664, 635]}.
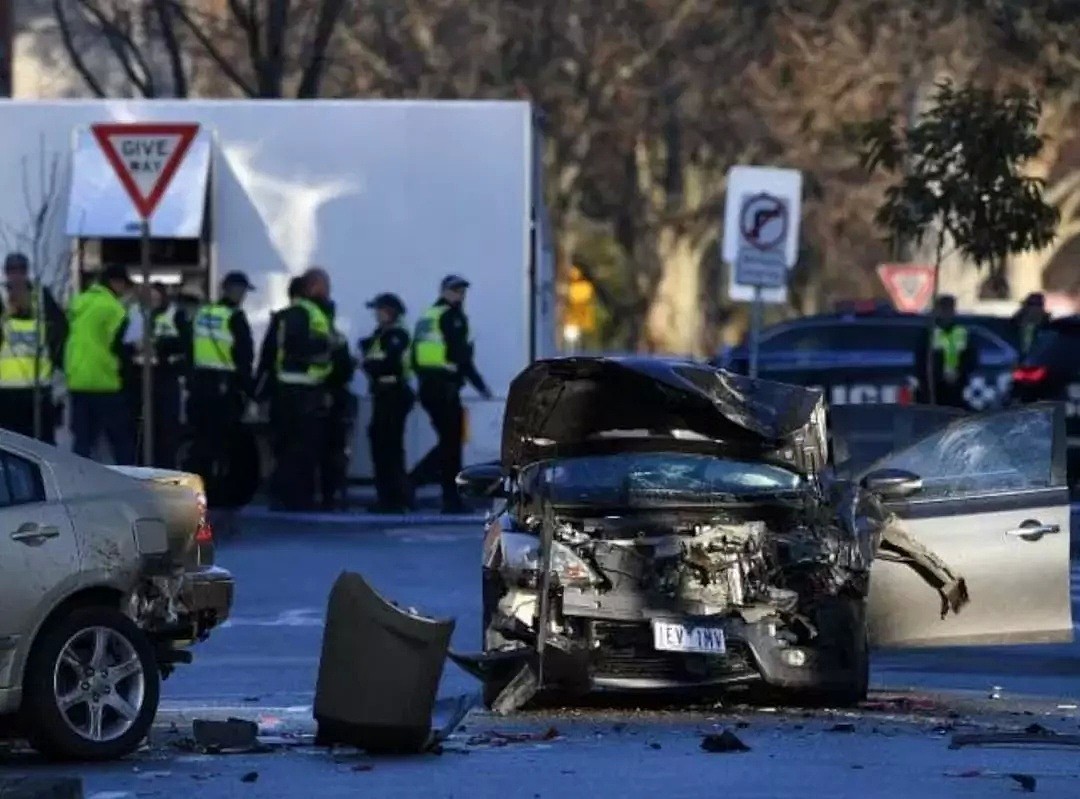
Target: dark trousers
{"type": "Point", "coordinates": [17, 412]}
{"type": "Point", "coordinates": [94, 414]}
{"type": "Point", "coordinates": [387, 435]}
{"type": "Point", "coordinates": [337, 449]}
{"type": "Point", "coordinates": [441, 399]}
{"type": "Point", "coordinates": [299, 435]}
{"type": "Point", "coordinates": [215, 407]}
{"type": "Point", "coordinates": [166, 412]}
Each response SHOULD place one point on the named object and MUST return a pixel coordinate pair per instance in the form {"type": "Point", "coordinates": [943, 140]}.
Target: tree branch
{"type": "Point", "coordinates": [204, 40]}
{"type": "Point", "coordinates": [124, 48]}
{"type": "Point", "coordinates": [72, 51]}
{"type": "Point", "coordinates": [172, 47]}
{"type": "Point", "coordinates": [330, 12]}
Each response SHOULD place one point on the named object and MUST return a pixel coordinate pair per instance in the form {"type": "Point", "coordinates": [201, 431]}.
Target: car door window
{"type": "Point", "coordinates": [1008, 451]}
{"type": "Point", "coordinates": [845, 336]}
{"type": "Point", "coordinates": [21, 482]}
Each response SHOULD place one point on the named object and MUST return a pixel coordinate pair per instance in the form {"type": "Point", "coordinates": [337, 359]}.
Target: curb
{"type": "Point", "coordinates": [264, 514]}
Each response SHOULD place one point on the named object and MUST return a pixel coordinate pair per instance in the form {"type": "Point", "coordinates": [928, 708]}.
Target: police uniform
{"type": "Point", "coordinates": [219, 383]}
{"type": "Point", "coordinates": [341, 411]}
{"type": "Point", "coordinates": [387, 364]}
{"type": "Point", "coordinates": [171, 336]}
{"type": "Point", "coordinates": [953, 360]}
{"type": "Point", "coordinates": [300, 407]}
{"type": "Point", "coordinates": [25, 363]}
{"type": "Point", "coordinates": [443, 359]}
{"type": "Point", "coordinates": [93, 357]}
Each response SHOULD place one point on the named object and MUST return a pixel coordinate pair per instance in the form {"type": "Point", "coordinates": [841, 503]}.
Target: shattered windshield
{"type": "Point", "coordinates": [636, 478]}
{"type": "Point", "coordinates": [1001, 452]}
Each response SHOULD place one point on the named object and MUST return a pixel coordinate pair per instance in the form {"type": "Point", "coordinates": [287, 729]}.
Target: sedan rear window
{"type": "Point", "coordinates": [637, 478]}
{"type": "Point", "coordinates": [843, 336]}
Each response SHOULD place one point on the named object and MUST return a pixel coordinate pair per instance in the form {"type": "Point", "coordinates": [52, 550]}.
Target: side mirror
{"type": "Point", "coordinates": [892, 483]}
{"type": "Point", "coordinates": [484, 480]}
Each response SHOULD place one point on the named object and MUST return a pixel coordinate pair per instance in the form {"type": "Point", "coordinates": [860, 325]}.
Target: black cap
{"type": "Point", "coordinates": [115, 272]}
{"type": "Point", "coordinates": [237, 279]}
{"type": "Point", "coordinates": [17, 260]}
{"type": "Point", "coordinates": [390, 301]}
{"type": "Point", "coordinates": [454, 282]}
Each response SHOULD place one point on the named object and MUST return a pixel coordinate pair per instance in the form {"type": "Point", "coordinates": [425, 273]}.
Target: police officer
{"type": "Point", "coordinates": [93, 367]}
{"type": "Point", "coordinates": [266, 370]}
{"type": "Point", "coordinates": [945, 362]}
{"type": "Point", "coordinates": [220, 381]}
{"type": "Point", "coordinates": [26, 361]}
{"type": "Point", "coordinates": [171, 336]}
{"type": "Point", "coordinates": [17, 279]}
{"type": "Point", "coordinates": [303, 365]}
{"type": "Point", "coordinates": [387, 363]}
{"type": "Point", "coordinates": [341, 411]}
{"type": "Point", "coordinates": [1029, 320]}
{"type": "Point", "coordinates": [443, 358]}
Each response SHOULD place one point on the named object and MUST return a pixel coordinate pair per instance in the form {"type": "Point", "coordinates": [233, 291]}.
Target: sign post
{"type": "Point", "coordinates": [145, 157]}
{"type": "Point", "coordinates": [761, 232]}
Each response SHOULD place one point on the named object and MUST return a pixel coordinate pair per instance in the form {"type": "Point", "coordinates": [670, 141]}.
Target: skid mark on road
{"type": "Point", "coordinates": [299, 617]}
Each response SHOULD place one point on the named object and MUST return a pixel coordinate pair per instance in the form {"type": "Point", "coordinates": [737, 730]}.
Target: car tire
{"type": "Point", "coordinates": [104, 666]}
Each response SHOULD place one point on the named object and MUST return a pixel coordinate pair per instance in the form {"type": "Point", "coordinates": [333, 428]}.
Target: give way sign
{"type": "Point", "coordinates": [911, 286]}
{"type": "Point", "coordinates": [145, 157]}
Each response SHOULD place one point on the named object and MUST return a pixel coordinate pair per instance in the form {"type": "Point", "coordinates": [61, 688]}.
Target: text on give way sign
{"type": "Point", "coordinates": [145, 157]}
{"type": "Point", "coordinates": [911, 286]}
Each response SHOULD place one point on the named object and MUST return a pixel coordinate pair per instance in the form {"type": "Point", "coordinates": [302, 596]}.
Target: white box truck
{"type": "Point", "coordinates": [385, 195]}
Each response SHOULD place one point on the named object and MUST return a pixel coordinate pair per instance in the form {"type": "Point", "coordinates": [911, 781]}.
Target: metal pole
{"type": "Point", "coordinates": [147, 353]}
{"type": "Point", "coordinates": [755, 330]}
{"type": "Point", "coordinates": [40, 344]}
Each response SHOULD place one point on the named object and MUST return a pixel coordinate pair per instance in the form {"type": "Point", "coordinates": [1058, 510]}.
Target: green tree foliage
{"type": "Point", "coordinates": [959, 175]}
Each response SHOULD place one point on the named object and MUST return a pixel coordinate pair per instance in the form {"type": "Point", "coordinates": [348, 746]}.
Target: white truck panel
{"type": "Point", "coordinates": [386, 195]}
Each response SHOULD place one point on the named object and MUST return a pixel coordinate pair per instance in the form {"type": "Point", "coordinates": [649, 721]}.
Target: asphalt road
{"type": "Point", "coordinates": [262, 665]}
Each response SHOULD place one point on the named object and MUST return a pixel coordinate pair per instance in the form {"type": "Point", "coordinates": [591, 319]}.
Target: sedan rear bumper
{"type": "Point", "coordinates": [207, 594]}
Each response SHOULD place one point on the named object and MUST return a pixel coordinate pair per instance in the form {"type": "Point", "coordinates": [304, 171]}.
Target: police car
{"type": "Point", "coordinates": [865, 353]}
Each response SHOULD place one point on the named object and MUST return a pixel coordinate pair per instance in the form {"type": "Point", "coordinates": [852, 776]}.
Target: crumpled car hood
{"type": "Point", "coordinates": [570, 406]}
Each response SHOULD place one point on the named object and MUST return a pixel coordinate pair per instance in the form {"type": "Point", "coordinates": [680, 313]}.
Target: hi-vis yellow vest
{"type": "Point", "coordinates": [951, 344]}
{"type": "Point", "coordinates": [318, 327]}
{"type": "Point", "coordinates": [212, 339]}
{"type": "Point", "coordinates": [376, 353]}
{"type": "Point", "coordinates": [429, 345]}
{"type": "Point", "coordinates": [22, 345]}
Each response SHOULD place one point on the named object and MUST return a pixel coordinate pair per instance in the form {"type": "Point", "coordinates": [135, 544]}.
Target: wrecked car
{"type": "Point", "coordinates": [668, 525]}
{"type": "Point", "coordinates": [106, 577]}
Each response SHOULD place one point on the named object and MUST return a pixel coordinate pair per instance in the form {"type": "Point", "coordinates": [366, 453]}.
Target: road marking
{"type": "Point", "coordinates": [300, 617]}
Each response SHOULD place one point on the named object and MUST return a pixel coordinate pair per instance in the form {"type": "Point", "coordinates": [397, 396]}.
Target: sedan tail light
{"type": "Point", "coordinates": [1029, 374]}
{"type": "Point", "coordinates": [204, 533]}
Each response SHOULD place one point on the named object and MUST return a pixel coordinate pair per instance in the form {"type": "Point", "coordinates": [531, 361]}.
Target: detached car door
{"type": "Point", "coordinates": [994, 506]}
{"type": "Point", "coordinates": [37, 547]}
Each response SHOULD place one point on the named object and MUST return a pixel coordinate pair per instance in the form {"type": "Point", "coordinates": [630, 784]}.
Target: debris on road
{"type": "Point", "coordinates": [727, 741]}
{"type": "Point", "coordinates": [1039, 737]}
{"type": "Point", "coordinates": [1027, 782]}
{"type": "Point", "coordinates": [901, 704]}
{"type": "Point", "coordinates": [41, 788]}
{"type": "Point", "coordinates": [845, 727]}
{"type": "Point", "coordinates": [496, 738]}
{"type": "Point", "coordinates": [223, 736]}
{"type": "Point", "coordinates": [379, 672]}
{"type": "Point", "coordinates": [364, 767]}
{"type": "Point", "coordinates": [251, 776]}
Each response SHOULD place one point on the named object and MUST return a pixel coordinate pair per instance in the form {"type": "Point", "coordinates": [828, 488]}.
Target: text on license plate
{"type": "Point", "coordinates": [671, 636]}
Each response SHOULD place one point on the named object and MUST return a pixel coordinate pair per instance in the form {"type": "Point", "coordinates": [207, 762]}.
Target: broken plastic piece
{"type": "Point", "coordinates": [235, 735]}
{"type": "Point", "coordinates": [1013, 738]}
{"type": "Point", "coordinates": [725, 742]}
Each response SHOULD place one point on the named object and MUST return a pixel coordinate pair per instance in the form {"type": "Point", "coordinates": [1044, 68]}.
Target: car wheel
{"type": "Point", "coordinates": [92, 687]}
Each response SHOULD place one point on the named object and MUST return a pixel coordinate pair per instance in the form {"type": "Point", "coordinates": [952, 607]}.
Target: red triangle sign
{"type": "Point", "coordinates": [145, 157]}
{"type": "Point", "coordinates": [910, 286]}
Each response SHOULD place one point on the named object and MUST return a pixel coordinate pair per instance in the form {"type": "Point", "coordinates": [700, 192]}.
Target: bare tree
{"type": "Point", "coordinates": [258, 48]}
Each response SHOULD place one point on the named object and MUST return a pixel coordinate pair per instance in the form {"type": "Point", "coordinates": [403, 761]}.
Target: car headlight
{"type": "Point", "coordinates": [521, 555]}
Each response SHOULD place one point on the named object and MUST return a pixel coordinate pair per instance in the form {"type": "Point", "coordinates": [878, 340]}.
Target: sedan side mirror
{"type": "Point", "coordinates": [484, 480]}
{"type": "Point", "coordinates": [893, 483]}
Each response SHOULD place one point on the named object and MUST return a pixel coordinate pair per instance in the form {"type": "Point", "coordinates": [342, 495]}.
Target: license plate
{"type": "Point", "coordinates": [672, 636]}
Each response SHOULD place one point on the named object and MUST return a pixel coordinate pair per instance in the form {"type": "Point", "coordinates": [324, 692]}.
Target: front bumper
{"type": "Point", "coordinates": [622, 657]}
{"type": "Point", "coordinates": [207, 596]}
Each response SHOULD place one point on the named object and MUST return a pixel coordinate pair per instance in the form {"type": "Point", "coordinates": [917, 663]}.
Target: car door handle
{"type": "Point", "coordinates": [1033, 530]}
{"type": "Point", "coordinates": [31, 533]}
